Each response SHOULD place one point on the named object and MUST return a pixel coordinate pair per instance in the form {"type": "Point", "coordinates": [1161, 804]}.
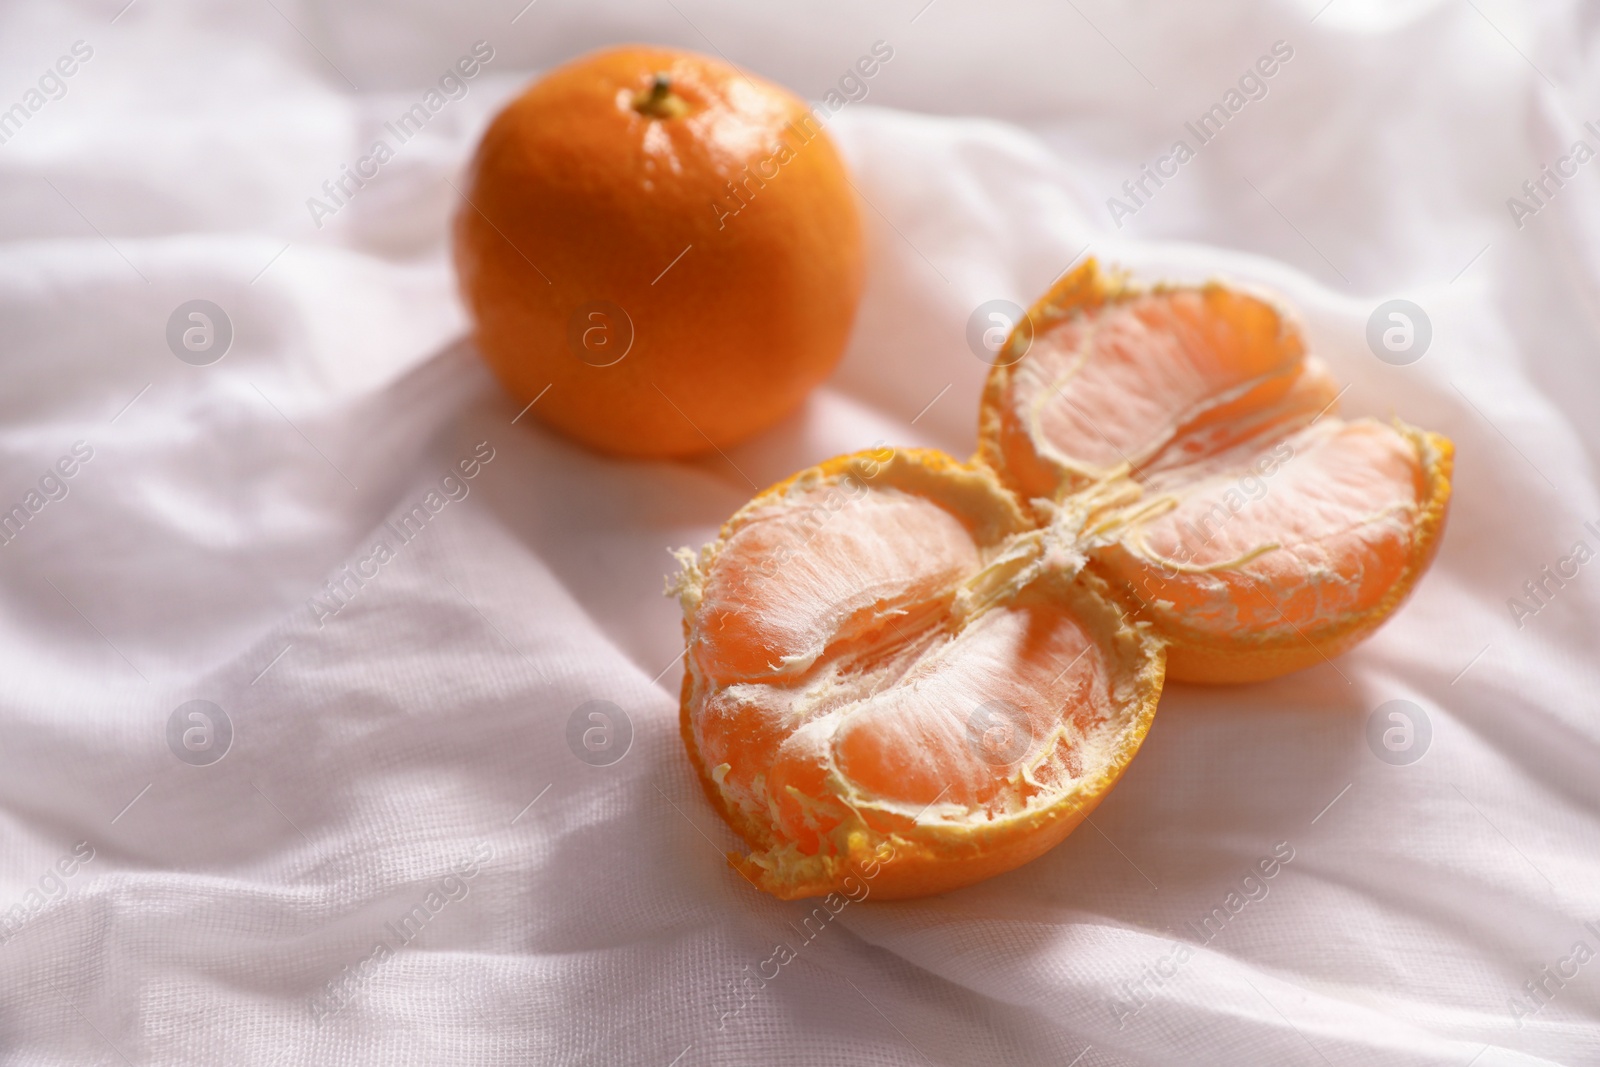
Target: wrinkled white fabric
{"type": "Point", "coordinates": [401, 860]}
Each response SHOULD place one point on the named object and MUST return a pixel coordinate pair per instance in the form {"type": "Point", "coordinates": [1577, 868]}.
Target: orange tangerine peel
{"type": "Point", "coordinates": [670, 245]}
{"type": "Point", "coordinates": [849, 710]}
{"type": "Point", "coordinates": [917, 673]}
{"type": "Point", "coordinates": [1258, 531]}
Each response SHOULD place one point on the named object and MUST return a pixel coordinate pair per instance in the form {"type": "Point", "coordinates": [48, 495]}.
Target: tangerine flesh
{"type": "Point", "coordinates": [1256, 529]}
{"type": "Point", "coordinates": [914, 673]}
{"type": "Point", "coordinates": [890, 669]}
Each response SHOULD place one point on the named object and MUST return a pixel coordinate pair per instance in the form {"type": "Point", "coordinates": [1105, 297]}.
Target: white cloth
{"type": "Point", "coordinates": [409, 751]}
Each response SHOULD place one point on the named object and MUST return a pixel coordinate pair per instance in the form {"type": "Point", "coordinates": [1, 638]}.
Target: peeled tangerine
{"type": "Point", "coordinates": [922, 672]}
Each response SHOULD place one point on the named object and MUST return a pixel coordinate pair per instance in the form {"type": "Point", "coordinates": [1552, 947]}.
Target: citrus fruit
{"type": "Point", "coordinates": [670, 245]}
{"type": "Point", "coordinates": [1255, 529]}
{"type": "Point", "coordinates": [905, 673]}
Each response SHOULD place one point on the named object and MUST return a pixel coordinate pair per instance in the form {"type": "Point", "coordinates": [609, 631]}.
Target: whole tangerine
{"type": "Point", "coordinates": [668, 245]}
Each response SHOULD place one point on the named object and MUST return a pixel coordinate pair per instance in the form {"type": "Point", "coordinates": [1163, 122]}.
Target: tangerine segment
{"type": "Point", "coordinates": [892, 671]}
{"type": "Point", "coordinates": [1186, 435]}
{"type": "Point", "coordinates": [1118, 378]}
{"type": "Point", "coordinates": [795, 581]}
{"type": "Point", "coordinates": [909, 743]}
{"type": "Point", "coordinates": [1260, 574]}
{"type": "Point", "coordinates": [1317, 528]}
